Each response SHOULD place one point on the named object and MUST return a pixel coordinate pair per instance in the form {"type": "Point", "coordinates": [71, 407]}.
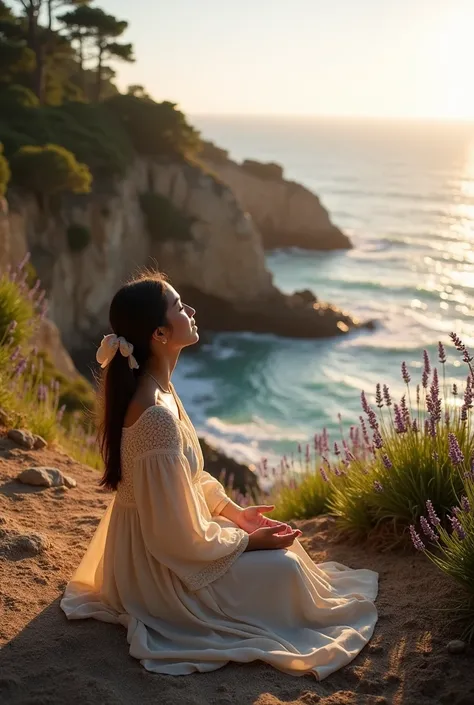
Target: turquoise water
{"type": "Point", "coordinates": [405, 195]}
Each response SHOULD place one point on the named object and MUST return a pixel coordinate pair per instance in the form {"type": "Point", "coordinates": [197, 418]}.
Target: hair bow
{"type": "Point", "coordinates": [108, 348]}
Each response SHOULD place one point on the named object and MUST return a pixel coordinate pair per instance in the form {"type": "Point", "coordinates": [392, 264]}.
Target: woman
{"type": "Point", "coordinates": [197, 580]}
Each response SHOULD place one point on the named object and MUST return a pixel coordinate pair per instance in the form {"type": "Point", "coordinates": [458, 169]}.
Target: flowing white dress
{"type": "Point", "coordinates": [168, 567]}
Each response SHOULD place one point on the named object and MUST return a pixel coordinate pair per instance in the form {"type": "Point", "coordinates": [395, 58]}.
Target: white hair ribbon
{"type": "Point", "coordinates": [109, 346]}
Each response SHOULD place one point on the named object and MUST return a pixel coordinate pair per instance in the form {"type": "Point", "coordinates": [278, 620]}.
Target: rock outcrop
{"type": "Point", "coordinates": [220, 263]}
{"type": "Point", "coordinates": [286, 213]}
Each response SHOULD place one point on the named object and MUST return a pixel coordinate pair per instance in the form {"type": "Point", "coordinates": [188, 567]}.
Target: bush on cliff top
{"type": "Point", "coordinates": [49, 170]}
{"type": "Point", "coordinates": [154, 129]}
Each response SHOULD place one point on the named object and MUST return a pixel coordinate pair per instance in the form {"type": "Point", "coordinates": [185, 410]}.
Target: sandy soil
{"type": "Point", "coordinates": [45, 659]}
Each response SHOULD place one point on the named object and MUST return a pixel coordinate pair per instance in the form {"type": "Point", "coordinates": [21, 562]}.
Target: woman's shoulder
{"type": "Point", "coordinates": [155, 428]}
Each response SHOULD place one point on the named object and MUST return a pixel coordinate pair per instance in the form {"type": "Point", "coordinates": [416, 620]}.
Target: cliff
{"type": "Point", "coordinates": [169, 213]}
{"type": "Point", "coordinates": [286, 213]}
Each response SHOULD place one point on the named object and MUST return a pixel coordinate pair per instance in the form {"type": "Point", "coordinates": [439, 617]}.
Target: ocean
{"type": "Point", "coordinates": [404, 193]}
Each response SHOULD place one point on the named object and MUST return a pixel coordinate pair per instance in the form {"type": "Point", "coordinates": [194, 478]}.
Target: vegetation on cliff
{"type": "Point", "coordinates": [60, 112]}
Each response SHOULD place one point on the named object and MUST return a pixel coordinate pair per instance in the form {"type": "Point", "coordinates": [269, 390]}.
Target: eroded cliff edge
{"type": "Point", "coordinates": [204, 240]}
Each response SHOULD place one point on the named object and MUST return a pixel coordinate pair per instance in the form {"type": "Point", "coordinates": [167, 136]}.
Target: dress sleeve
{"type": "Point", "coordinates": [214, 492]}
{"type": "Point", "coordinates": [174, 528]}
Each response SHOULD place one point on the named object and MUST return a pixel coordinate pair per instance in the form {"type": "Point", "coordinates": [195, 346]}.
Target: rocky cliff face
{"type": "Point", "coordinates": [221, 263]}
{"type": "Point", "coordinates": [286, 213]}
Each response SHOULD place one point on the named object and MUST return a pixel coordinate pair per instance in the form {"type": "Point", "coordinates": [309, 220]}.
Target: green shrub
{"type": "Point", "coordinates": [269, 172]}
{"type": "Point", "coordinates": [15, 97]}
{"type": "Point", "coordinates": [155, 129]}
{"type": "Point", "coordinates": [163, 220]}
{"type": "Point", "coordinates": [16, 312]}
{"type": "Point", "coordinates": [90, 131]}
{"type": "Point", "coordinates": [4, 172]}
{"type": "Point", "coordinates": [49, 170]}
{"type": "Point", "coordinates": [303, 497]}
{"type": "Point", "coordinates": [78, 237]}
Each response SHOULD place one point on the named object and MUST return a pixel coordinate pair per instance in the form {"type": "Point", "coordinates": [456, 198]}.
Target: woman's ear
{"type": "Point", "coordinates": [160, 336]}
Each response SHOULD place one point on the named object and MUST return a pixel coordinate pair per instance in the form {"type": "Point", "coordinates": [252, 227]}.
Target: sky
{"type": "Point", "coordinates": [373, 58]}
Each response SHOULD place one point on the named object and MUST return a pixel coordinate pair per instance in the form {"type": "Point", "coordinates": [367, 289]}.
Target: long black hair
{"type": "Point", "coordinates": [136, 311]}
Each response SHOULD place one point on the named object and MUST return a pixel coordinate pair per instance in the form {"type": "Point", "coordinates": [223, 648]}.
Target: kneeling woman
{"type": "Point", "coordinates": [197, 580]}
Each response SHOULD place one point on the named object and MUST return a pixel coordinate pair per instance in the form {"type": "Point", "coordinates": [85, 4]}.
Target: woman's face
{"type": "Point", "coordinates": [182, 330]}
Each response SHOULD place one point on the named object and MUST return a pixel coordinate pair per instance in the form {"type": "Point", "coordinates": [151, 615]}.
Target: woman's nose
{"type": "Point", "coordinates": [191, 311]}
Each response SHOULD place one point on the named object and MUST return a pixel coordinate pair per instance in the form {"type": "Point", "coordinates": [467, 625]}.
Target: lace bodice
{"type": "Point", "coordinates": [156, 431]}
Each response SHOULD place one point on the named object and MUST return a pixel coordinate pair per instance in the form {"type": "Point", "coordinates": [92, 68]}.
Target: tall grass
{"type": "Point", "coordinates": [32, 392]}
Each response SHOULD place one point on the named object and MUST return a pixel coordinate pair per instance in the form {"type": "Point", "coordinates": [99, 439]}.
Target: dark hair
{"type": "Point", "coordinates": [136, 311]}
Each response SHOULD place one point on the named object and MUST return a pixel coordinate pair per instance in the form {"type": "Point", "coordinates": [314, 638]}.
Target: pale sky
{"type": "Point", "coordinates": [388, 58]}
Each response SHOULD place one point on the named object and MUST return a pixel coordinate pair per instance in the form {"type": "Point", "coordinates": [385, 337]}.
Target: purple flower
{"type": "Point", "coordinates": [20, 368]}
{"type": "Point", "coordinates": [441, 353]}
{"type": "Point", "coordinates": [387, 462]}
{"type": "Point", "coordinates": [307, 453]}
{"type": "Point", "coordinates": [415, 426]}
{"type": "Point", "coordinates": [418, 395]}
{"type": "Point", "coordinates": [468, 393]}
{"type": "Point", "coordinates": [465, 504]}
{"type": "Point", "coordinates": [433, 517]}
{"type": "Point", "coordinates": [378, 396]}
{"type": "Point", "coordinates": [426, 363]}
{"type": "Point", "coordinates": [24, 262]}
{"type": "Point", "coordinates": [455, 389]}
{"type": "Point", "coordinates": [365, 435]}
{"type": "Point", "coordinates": [42, 392]}
{"type": "Point", "coordinates": [386, 395]}
{"type": "Point", "coordinates": [455, 453]}
{"type": "Point", "coordinates": [363, 400]}
{"type": "Point", "coordinates": [458, 344]}
{"type": "Point", "coordinates": [427, 530]}
{"type": "Point", "coordinates": [15, 354]}
{"type": "Point", "coordinates": [457, 527]}
{"type": "Point", "coordinates": [464, 413]}
{"type": "Point", "coordinates": [378, 442]}
{"type": "Point", "coordinates": [336, 449]}
{"type": "Point", "coordinates": [416, 539]}
{"type": "Point", "coordinates": [466, 357]}
{"type": "Point", "coordinates": [60, 414]}
{"type": "Point", "coordinates": [299, 447]}
{"type": "Point", "coordinates": [377, 486]}
{"type": "Point", "coordinates": [405, 412]}
{"type": "Point", "coordinates": [405, 373]}
{"type": "Point", "coordinates": [424, 379]}
{"type": "Point", "coordinates": [399, 422]}
{"type": "Point", "coordinates": [434, 399]}
{"type": "Point", "coordinates": [323, 474]}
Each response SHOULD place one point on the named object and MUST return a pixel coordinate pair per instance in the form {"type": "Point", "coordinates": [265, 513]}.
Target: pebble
{"type": "Point", "coordinates": [39, 443]}
{"type": "Point", "coordinates": [456, 646]}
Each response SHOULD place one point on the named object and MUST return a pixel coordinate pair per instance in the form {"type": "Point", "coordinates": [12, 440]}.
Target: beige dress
{"type": "Point", "coordinates": [164, 564]}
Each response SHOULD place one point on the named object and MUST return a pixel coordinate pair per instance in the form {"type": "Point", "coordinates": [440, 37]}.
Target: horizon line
{"type": "Point", "coordinates": [322, 116]}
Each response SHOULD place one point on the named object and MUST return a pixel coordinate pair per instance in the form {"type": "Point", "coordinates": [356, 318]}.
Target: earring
{"type": "Point", "coordinates": [164, 341]}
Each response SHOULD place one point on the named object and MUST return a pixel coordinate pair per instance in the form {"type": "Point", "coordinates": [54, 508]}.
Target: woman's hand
{"type": "Point", "coordinates": [250, 519]}
{"type": "Point", "coordinates": [272, 537]}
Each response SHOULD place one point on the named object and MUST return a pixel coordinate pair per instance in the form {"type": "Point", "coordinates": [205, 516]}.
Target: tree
{"type": "Point", "coordinates": [4, 172]}
{"type": "Point", "coordinates": [15, 57]}
{"type": "Point", "coordinates": [49, 170]}
{"type": "Point", "coordinates": [32, 10]}
{"type": "Point", "coordinates": [91, 26]}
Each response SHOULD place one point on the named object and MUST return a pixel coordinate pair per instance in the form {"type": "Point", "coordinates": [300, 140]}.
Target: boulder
{"type": "Point", "coordinates": [45, 477]}
{"type": "Point", "coordinates": [22, 438]}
